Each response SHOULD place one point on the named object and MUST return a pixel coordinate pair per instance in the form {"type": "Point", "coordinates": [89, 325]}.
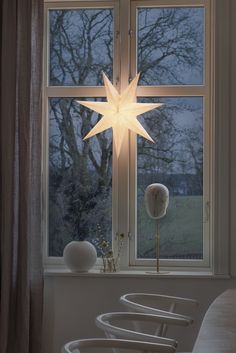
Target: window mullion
{"type": "Point", "coordinates": [88, 91]}
{"type": "Point", "coordinates": [172, 91]}
{"type": "Point", "coordinates": [122, 172]}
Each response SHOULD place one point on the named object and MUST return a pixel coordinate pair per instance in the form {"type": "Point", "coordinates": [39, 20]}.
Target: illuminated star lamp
{"type": "Point", "coordinates": [119, 112]}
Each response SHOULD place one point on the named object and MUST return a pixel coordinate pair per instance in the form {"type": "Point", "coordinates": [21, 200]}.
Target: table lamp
{"type": "Point", "coordinates": [156, 199]}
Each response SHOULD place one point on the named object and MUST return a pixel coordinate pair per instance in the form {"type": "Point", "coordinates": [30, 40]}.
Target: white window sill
{"type": "Point", "coordinates": [58, 272]}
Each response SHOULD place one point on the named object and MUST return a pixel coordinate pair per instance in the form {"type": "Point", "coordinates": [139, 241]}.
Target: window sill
{"type": "Point", "coordinates": [133, 273]}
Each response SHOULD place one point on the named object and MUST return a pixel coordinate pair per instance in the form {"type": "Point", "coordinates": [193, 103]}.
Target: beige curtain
{"type": "Point", "coordinates": [21, 242]}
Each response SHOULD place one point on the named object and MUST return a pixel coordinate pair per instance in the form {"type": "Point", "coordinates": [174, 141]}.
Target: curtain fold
{"type": "Point", "coordinates": [21, 290]}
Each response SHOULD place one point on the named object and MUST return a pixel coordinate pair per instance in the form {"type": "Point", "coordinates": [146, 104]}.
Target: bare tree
{"type": "Point", "coordinates": [81, 47]}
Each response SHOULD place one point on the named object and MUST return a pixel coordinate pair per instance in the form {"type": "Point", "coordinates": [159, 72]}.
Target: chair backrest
{"type": "Point", "coordinates": [143, 303]}
{"type": "Point", "coordinates": [138, 302]}
{"type": "Point", "coordinates": [108, 323]}
{"type": "Point", "coordinates": [127, 345]}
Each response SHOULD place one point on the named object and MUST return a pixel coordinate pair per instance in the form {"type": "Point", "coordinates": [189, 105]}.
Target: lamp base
{"type": "Point", "coordinates": [158, 272]}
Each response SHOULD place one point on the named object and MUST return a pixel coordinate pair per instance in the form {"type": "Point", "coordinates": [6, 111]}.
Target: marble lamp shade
{"type": "Point", "coordinates": [156, 200]}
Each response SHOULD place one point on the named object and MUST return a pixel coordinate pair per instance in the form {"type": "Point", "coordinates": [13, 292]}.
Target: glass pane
{"type": "Point", "coordinates": [80, 176]}
{"type": "Point", "coordinates": [81, 46]}
{"type": "Point", "coordinates": [175, 160]}
{"type": "Point", "coordinates": [171, 45]}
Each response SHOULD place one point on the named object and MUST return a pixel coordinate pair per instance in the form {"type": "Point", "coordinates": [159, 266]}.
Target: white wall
{"type": "Point", "coordinates": [72, 303]}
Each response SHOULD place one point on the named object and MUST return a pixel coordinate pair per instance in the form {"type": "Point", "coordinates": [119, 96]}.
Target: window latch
{"type": "Point", "coordinates": [207, 211]}
{"type": "Point", "coordinates": [130, 236]}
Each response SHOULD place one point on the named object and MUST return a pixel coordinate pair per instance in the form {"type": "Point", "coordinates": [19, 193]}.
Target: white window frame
{"type": "Point", "coordinates": [77, 92]}
{"type": "Point", "coordinates": [175, 91]}
{"type": "Point", "coordinates": [216, 248]}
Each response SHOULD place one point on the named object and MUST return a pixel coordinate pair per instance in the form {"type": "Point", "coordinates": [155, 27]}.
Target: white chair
{"type": "Point", "coordinates": [164, 304]}
{"type": "Point", "coordinates": [159, 304]}
{"type": "Point", "coordinates": [127, 345]}
{"type": "Point", "coordinates": [113, 324]}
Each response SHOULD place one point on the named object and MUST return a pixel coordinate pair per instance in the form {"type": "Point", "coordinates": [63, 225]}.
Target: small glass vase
{"type": "Point", "coordinates": [110, 264]}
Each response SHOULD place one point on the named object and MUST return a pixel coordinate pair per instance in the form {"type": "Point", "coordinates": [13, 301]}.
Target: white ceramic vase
{"type": "Point", "coordinates": [156, 200]}
{"type": "Point", "coordinates": [80, 256]}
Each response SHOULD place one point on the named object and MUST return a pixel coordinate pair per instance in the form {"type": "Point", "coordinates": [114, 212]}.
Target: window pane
{"type": "Point", "coordinates": [80, 179]}
{"type": "Point", "coordinates": [171, 45]}
{"type": "Point", "coordinates": [81, 46]}
{"type": "Point", "coordinates": [175, 160]}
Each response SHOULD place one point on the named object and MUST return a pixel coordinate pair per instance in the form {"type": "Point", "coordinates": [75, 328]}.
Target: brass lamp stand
{"type": "Point", "coordinates": [158, 245]}
{"type": "Point", "coordinates": [156, 199]}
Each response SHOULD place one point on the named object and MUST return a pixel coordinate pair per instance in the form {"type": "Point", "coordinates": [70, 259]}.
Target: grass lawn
{"type": "Point", "coordinates": [181, 229]}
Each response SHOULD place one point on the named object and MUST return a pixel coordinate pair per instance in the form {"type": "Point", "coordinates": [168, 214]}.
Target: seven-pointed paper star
{"type": "Point", "coordinates": [119, 112]}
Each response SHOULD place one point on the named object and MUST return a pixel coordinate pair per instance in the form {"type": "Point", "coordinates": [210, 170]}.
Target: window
{"type": "Point", "coordinates": [169, 43]}
{"type": "Point", "coordinates": [80, 45]}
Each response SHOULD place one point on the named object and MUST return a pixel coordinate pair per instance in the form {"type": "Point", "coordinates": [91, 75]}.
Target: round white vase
{"type": "Point", "coordinates": [80, 256]}
{"type": "Point", "coordinates": [156, 200]}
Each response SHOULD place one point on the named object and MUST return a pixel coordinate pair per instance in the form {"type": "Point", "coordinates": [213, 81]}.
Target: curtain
{"type": "Point", "coordinates": [21, 290]}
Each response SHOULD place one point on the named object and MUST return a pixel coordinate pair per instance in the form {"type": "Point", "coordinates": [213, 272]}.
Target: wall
{"type": "Point", "coordinates": [72, 303]}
